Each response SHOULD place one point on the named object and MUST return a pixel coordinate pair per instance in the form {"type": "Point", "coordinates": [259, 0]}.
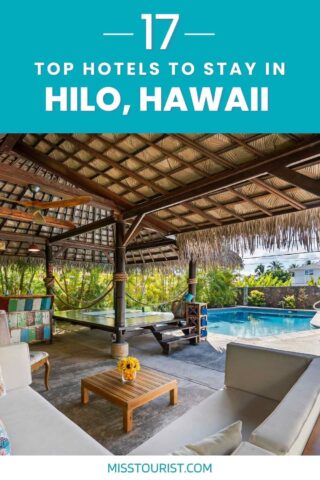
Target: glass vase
{"type": "Point", "coordinates": [128, 376]}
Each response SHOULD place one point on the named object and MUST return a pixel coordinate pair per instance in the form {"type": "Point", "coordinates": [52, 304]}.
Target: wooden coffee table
{"type": "Point", "coordinates": [148, 385]}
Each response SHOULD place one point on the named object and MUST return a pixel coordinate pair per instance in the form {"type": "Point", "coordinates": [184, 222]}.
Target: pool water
{"type": "Point", "coordinates": [249, 322]}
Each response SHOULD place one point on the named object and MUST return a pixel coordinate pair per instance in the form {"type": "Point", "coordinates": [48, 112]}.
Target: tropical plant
{"type": "Point", "coordinates": [277, 271]}
{"type": "Point", "coordinates": [257, 299]}
{"type": "Point", "coordinates": [288, 301]}
{"type": "Point", "coordinates": [217, 288]}
{"type": "Point", "coordinates": [76, 287]}
{"type": "Point", "coordinates": [21, 278]}
{"type": "Point", "coordinates": [148, 290]}
{"type": "Point", "coordinates": [293, 265]}
{"type": "Point", "coordinates": [275, 265]}
{"type": "Point", "coordinates": [265, 280]}
{"type": "Point", "coordinates": [302, 297]}
{"type": "Point", "coordinates": [259, 270]}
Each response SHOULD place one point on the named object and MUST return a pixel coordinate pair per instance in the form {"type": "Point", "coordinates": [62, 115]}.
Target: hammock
{"type": "Point", "coordinates": [157, 303]}
{"type": "Point", "coordinates": [88, 305]}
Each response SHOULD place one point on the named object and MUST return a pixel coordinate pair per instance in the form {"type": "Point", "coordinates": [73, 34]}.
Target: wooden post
{"type": "Point", "coordinates": [192, 282]}
{"type": "Point", "coordinates": [119, 289]}
{"type": "Point", "coordinates": [49, 280]}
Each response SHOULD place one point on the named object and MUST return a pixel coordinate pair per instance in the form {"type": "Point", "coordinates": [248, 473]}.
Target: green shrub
{"type": "Point", "coordinates": [288, 301]}
{"type": "Point", "coordinates": [216, 287]}
{"type": "Point", "coordinates": [302, 298]}
{"type": "Point", "coordinates": [267, 279]}
{"type": "Point", "coordinates": [257, 299]}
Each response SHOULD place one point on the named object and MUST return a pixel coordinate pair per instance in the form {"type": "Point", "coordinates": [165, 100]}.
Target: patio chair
{"type": "Point", "coordinates": [37, 359]}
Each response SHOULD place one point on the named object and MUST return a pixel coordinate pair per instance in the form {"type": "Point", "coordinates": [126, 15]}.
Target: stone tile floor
{"type": "Point", "coordinates": [78, 352]}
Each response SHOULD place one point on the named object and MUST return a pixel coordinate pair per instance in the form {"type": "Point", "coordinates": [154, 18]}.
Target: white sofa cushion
{"type": "Point", "coordinates": [35, 427]}
{"type": "Point", "coordinates": [214, 413]}
{"type": "Point", "coordinates": [223, 442]}
{"type": "Point", "coordinates": [265, 372]}
{"type": "Point", "coordinates": [36, 356]}
{"type": "Point", "coordinates": [287, 429]}
{"type": "Point", "coordinates": [15, 364]}
{"type": "Point", "coordinates": [247, 448]}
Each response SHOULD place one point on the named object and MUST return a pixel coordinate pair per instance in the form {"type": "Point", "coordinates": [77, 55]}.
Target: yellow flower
{"type": "Point", "coordinates": [129, 365]}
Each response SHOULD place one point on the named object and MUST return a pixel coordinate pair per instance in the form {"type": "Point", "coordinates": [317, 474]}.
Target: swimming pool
{"type": "Point", "coordinates": [249, 322]}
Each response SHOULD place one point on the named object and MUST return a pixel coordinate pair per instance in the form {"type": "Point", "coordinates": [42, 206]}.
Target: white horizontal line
{"type": "Point", "coordinates": [199, 34]}
{"type": "Point", "coordinates": [118, 34]}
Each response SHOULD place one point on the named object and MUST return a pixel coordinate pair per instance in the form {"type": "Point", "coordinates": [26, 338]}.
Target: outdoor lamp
{"type": "Point", "coordinates": [33, 248]}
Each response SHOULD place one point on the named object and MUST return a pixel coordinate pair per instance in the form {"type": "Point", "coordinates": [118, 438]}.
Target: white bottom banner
{"type": "Point", "coordinates": [158, 467]}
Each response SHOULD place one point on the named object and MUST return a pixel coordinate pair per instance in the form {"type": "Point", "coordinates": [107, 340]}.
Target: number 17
{"type": "Point", "coordinates": [147, 17]}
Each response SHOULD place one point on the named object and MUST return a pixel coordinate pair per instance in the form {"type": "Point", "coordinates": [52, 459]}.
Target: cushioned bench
{"type": "Point", "coordinates": [274, 393]}
{"type": "Point", "coordinates": [295, 416]}
{"type": "Point", "coordinates": [34, 426]}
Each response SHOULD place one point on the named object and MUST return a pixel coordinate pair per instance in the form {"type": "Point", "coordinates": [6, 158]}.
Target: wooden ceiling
{"type": "Point", "coordinates": [162, 184]}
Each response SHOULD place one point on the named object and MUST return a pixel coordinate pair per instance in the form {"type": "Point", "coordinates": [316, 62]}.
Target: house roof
{"type": "Point", "coordinates": [179, 185]}
{"type": "Point", "coordinates": [307, 266]}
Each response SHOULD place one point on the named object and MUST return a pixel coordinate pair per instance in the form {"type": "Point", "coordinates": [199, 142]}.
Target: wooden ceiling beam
{"type": "Point", "coordinates": [226, 209]}
{"type": "Point", "coordinates": [269, 188]}
{"type": "Point", "coordinates": [205, 151]}
{"type": "Point", "coordinates": [23, 238]}
{"type": "Point", "coordinates": [283, 210]}
{"type": "Point", "coordinates": [20, 216]}
{"type": "Point", "coordinates": [189, 143]}
{"type": "Point", "coordinates": [89, 227]}
{"type": "Point", "coordinates": [130, 173]}
{"type": "Point", "coordinates": [245, 145]}
{"type": "Point", "coordinates": [155, 261]}
{"type": "Point", "coordinates": [228, 178]}
{"type": "Point", "coordinates": [133, 230]}
{"type": "Point", "coordinates": [15, 176]}
{"type": "Point", "coordinates": [168, 154]}
{"type": "Point", "coordinates": [298, 179]}
{"type": "Point", "coordinates": [291, 176]}
{"type": "Point", "coordinates": [20, 237]}
{"type": "Point", "coordinates": [68, 174]}
{"type": "Point", "coordinates": [250, 200]}
{"type": "Point", "coordinates": [258, 154]}
{"type": "Point", "coordinates": [9, 142]}
{"type": "Point", "coordinates": [79, 245]}
{"type": "Point", "coordinates": [117, 203]}
{"type": "Point", "coordinates": [114, 163]}
{"type": "Point", "coordinates": [151, 244]}
{"type": "Point", "coordinates": [10, 174]}
{"type": "Point", "coordinates": [199, 160]}
{"type": "Point", "coordinates": [141, 179]}
{"type": "Point", "coordinates": [191, 207]}
{"type": "Point", "coordinates": [203, 213]}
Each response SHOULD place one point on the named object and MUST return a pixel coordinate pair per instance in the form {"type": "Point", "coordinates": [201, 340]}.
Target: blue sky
{"type": "Point", "coordinates": [286, 257]}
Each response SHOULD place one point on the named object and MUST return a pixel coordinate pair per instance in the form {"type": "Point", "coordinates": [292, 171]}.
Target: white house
{"type": "Point", "coordinates": [302, 275]}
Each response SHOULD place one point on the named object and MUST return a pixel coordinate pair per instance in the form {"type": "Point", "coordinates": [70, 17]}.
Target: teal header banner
{"type": "Point", "coordinates": [153, 66]}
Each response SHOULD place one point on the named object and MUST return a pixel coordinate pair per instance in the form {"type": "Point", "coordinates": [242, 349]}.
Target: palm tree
{"type": "Point", "coordinates": [259, 270]}
{"type": "Point", "coordinates": [277, 270]}
{"type": "Point", "coordinates": [293, 265]}
{"type": "Point", "coordinates": [275, 265]}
